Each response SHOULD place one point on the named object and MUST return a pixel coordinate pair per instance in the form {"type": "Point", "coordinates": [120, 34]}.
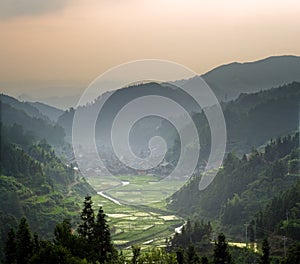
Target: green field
{"type": "Point", "coordinates": [140, 189]}
{"type": "Point", "coordinates": [145, 225]}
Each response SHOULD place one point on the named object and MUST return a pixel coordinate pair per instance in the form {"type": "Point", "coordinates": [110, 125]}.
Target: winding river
{"type": "Point", "coordinates": [124, 183]}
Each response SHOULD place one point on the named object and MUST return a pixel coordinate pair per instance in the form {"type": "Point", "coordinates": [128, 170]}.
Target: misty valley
{"type": "Point", "coordinates": [86, 195]}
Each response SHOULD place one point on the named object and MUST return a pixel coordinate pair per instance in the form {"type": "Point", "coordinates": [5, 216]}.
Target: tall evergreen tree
{"type": "Point", "coordinates": [102, 239]}
{"type": "Point", "coordinates": [10, 248]}
{"type": "Point", "coordinates": [36, 243]}
{"type": "Point", "coordinates": [86, 227]}
{"type": "Point", "coordinates": [266, 252]}
{"type": "Point", "coordinates": [221, 253]}
{"type": "Point", "coordinates": [192, 256]}
{"type": "Point", "coordinates": [24, 244]}
{"type": "Point", "coordinates": [63, 235]}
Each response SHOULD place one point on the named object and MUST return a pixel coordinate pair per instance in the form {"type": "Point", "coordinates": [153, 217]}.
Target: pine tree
{"type": "Point", "coordinates": [180, 256]}
{"type": "Point", "coordinates": [221, 253]}
{"type": "Point", "coordinates": [24, 244]}
{"type": "Point", "coordinates": [10, 248]}
{"type": "Point", "coordinates": [85, 229]}
{"type": "Point", "coordinates": [102, 239]}
{"type": "Point", "coordinates": [266, 252]}
{"type": "Point", "coordinates": [36, 243]}
{"type": "Point", "coordinates": [192, 255]}
{"type": "Point", "coordinates": [63, 235]}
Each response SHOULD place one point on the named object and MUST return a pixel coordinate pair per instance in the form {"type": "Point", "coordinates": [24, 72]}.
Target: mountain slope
{"type": "Point", "coordinates": [243, 186]}
{"type": "Point", "coordinates": [26, 107]}
{"type": "Point", "coordinates": [229, 81]}
{"type": "Point", "coordinates": [51, 112]}
{"type": "Point", "coordinates": [281, 216]}
{"type": "Point", "coordinates": [35, 183]}
{"type": "Point", "coordinates": [38, 127]}
{"type": "Point", "coordinates": [119, 99]}
{"type": "Point", "coordinates": [252, 119]}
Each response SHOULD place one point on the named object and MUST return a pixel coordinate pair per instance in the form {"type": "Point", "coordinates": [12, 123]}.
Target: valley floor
{"type": "Point", "coordinates": [144, 225]}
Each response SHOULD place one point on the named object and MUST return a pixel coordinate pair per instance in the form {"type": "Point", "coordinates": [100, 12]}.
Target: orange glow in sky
{"type": "Point", "coordinates": [77, 40]}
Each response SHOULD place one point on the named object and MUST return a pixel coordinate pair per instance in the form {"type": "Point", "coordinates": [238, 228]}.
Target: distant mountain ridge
{"type": "Point", "coordinates": [230, 80]}
{"type": "Point", "coordinates": [26, 107]}
{"type": "Point", "coordinates": [227, 81]}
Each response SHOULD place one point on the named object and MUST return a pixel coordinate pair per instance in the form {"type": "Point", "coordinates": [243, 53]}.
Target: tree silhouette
{"type": "Point", "coordinates": [221, 253]}
{"type": "Point", "coordinates": [10, 247]}
{"type": "Point", "coordinates": [192, 256]}
{"type": "Point", "coordinates": [23, 242]}
{"type": "Point", "coordinates": [85, 229]}
{"type": "Point", "coordinates": [102, 240]}
{"type": "Point", "coordinates": [266, 252]}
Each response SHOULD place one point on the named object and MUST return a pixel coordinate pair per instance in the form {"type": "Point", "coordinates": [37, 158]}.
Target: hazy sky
{"type": "Point", "coordinates": [77, 40]}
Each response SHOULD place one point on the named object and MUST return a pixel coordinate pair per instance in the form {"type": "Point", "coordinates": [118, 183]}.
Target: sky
{"type": "Point", "coordinates": [68, 43]}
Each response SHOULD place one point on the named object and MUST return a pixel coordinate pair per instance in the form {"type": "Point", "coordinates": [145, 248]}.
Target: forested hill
{"type": "Point", "coordinates": [51, 112]}
{"type": "Point", "coordinates": [229, 81]}
{"type": "Point", "coordinates": [253, 119]}
{"type": "Point", "coordinates": [32, 121]}
{"type": "Point", "coordinates": [281, 215]}
{"type": "Point", "coordinates": [243, 186]}
{"type": "Point", "coordinates": [26, 107]}
{"type": "Point", "coordinates": [35, 183]}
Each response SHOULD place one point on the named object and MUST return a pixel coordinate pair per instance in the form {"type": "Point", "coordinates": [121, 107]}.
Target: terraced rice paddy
{"type": "Point", "coordinates": [145, 225]}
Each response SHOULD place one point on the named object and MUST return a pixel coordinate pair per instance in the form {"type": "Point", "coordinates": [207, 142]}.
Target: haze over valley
{"type": "Point", "coordinates": [138, 132]}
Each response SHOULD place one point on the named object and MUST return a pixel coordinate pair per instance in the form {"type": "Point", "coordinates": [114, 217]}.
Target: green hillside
{"type": "Point", "coordinates": [36, 184]}
{"type": "Point", "coordinates": [243, 186]}
{"type": "Point", "coordinates": [39, 128]}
